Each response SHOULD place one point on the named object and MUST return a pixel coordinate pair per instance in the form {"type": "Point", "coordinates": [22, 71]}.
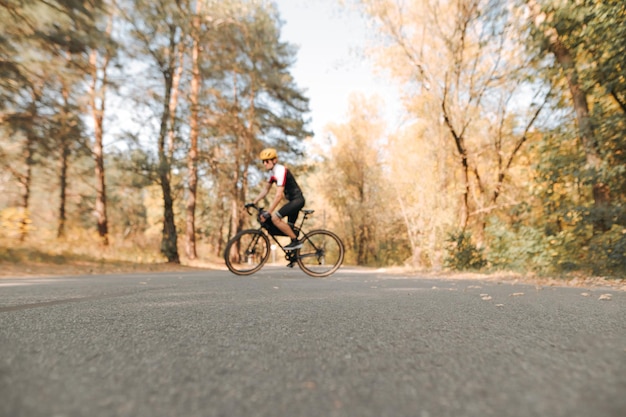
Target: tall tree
{"type": "Point", "coordinates": [100, 58]}
{"type": "Point", "coordinates": [252, 100]}
{"type": "Point", "coordinates": [565, 30]}
{"type": "Point", "coordinates": [463, 72]}
{"type": "Point", "coordinates": [156, 26]}
{"type": "Point", "coordinates": [192, 158]}
{"type": "Point", "coordinates": [67, 131]}
{"type": "Point", "coordinates": [353, 177]}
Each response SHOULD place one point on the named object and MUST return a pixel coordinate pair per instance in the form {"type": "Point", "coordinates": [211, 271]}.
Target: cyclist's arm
{"type": "Point", "coordinates": [280, 193]}
{"type": "Point", "coordinates": [263, 193]}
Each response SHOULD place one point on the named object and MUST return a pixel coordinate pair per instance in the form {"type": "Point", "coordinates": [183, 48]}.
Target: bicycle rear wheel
{"type": "Point", "coordinates": [247, 252]}
{"type": "Point", "coordinates": [321, 253]}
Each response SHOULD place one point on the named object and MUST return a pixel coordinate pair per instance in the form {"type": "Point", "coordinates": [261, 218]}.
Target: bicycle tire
{"type": "Point", "coordinates": [247, 252]}
{"type": "Point", "coordinates": [321, 253]}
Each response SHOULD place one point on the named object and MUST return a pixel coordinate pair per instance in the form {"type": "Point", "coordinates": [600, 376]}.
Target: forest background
{"type": "Point", "coordinates": [512, 154]}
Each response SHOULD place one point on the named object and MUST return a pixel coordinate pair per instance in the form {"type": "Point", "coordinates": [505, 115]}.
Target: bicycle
{"type": "Point", "coordinates": [321, 253]}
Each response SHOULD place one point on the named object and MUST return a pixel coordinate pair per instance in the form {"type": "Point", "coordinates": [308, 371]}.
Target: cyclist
{"type": "Point", "coordinates": [286, 187]}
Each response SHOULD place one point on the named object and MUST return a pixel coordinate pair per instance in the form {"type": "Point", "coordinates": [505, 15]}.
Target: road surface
{"type": "Point", "coordinates": [279, 343]}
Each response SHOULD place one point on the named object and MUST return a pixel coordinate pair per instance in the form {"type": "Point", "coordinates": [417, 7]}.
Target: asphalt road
{"type": "Point", "coordinates": [280, 343]}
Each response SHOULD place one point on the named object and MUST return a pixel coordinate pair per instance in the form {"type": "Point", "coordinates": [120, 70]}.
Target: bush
{"type": "Point", "coordinates": [607, 252]}
{"type": "Point", "coordinates": [462, 254]}
{"type": "Point", "coordinates": [517, 248]}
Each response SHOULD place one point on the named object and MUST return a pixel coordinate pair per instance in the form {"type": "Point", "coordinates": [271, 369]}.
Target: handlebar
{"type": "Point", "coordinates": [262, 214]}
{"type": "Point", "coordinates": [249, 206]}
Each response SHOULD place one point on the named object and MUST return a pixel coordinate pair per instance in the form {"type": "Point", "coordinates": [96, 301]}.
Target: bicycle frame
{"type": "Point", "coordinates": [289, 255]}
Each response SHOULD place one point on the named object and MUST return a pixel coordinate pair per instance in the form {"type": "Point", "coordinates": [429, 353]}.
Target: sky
{"type": "Point", "coordinates": [330, 64]}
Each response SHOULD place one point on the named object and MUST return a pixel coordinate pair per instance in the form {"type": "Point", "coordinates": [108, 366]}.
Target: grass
{"type": "Point", "coordinates": [53, 258]}
{"type": "Point", "coordinates": [22, 255]}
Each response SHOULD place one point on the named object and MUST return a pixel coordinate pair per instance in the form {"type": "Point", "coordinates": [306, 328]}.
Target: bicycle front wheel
{"type": "Point", "coordinates": [321, 253]}
{"type": "Point", "coordinates": [247, 252]}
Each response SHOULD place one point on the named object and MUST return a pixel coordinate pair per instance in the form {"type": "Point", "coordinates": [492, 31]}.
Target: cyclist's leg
{"type": "Point", "coordinates": [290, 211]}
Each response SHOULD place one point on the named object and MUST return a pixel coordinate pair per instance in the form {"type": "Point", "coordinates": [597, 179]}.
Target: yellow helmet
{"type": "Point", "coordinates": [267, 153]}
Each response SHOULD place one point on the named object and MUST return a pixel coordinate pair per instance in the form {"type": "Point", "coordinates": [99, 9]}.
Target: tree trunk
{"type": "Point", "coordinates": [460, 146]}
{"type": "Point", "coordinates": [171, 137]}
{"type": "Point", "coordinates": [101, 202]}
{"type": "Point", "coordinates": [64, 138]}
{"type": "Point", "coordinates": [169, 246]}
{"type": "Point", "coordinates": [98, 155]}
{"type": "Point", "coordinates": [192, 159]}
{"type": "Point", "coordinates": [601, 191]}
{"type": "Point", "coordinates": [238, 192]}
{"type": "Point", "coordinates": [579, 99]}
{"type": "Point", "coordinates": [97, 101]}
{"type": "Point", "coordinates": [65, 153]}
{"type": "Point", "coordinates": [25, 180]}
{"type": "Point", "coordinates": [169, 236]}
{"type": "Point", "coordinates": [234, 218]}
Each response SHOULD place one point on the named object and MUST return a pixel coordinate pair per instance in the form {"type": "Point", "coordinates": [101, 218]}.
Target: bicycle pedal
{"type": "Point", "coordinates": [290, 264]}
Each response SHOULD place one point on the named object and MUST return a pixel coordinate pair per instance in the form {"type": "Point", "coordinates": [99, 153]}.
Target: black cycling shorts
{"type": "Point", "coordinates": [291, 210]}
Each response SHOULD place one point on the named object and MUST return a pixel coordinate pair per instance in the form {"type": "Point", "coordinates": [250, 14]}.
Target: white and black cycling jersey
{"type": "Point", "coordinates": [283, 178]}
